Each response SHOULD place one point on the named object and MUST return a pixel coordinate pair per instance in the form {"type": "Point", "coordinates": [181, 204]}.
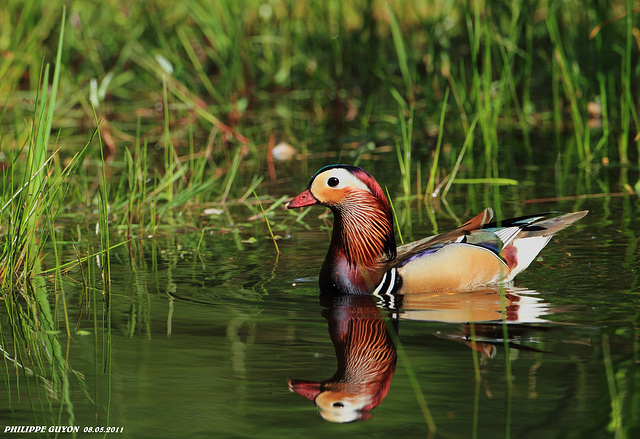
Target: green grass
{"type": "Point", "coordinates": [198, 79]}
{"type": "Point", "coordinates": [29, 214]}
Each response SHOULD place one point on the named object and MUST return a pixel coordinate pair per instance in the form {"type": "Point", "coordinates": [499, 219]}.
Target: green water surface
{"type": "Point", "coordinates": [203, 332]}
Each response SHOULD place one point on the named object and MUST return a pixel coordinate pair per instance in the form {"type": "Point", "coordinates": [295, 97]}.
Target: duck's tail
{"type": "Point", "coordinates": [532, 238]}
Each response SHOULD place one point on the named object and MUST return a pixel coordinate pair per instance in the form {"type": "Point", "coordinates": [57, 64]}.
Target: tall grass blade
{"type": "Point", "coordinates": [266, 219]}
{"type": "Point", "coordinates": [431, 183]}
{"type": "Point", "coordinates": [401, 52]}
{"type": "Point", "coordinates": [569, 84]}
{"type": "Point", "coordinates": [616, 406]}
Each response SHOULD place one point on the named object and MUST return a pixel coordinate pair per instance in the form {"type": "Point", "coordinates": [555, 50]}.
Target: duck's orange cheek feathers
{"type": "Point", "coordinates": [330, 196]}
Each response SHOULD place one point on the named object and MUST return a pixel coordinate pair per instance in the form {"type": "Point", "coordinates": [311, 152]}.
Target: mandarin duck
{"type": "Point", "coordinates": [363, 257]}
{"type": "Point", "coordinates": [366, 356]}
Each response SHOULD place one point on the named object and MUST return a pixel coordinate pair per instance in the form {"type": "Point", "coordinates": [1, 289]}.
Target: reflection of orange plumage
{"type": "Point", "coordinates": [486, 307]}
{"type": "Point", "coordinates": [366, 358]}
{"type": "Point", "coordinates": [511, 305]}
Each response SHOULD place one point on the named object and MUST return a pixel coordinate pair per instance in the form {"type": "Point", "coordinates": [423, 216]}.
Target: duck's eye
{"type": "Point", "coordinates": [333, 181]}
{"type": "Point", "coordinates": [337, 404]}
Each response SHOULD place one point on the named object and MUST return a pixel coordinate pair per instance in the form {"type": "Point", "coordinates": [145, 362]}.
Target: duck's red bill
{"type": "Point", "coordinates": [308, 389]}
{"type": "Point", "coordinates": [304, 199]}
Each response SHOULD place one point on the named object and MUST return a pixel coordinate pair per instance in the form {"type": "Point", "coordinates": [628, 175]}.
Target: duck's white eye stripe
{"type": "Point", "coordinates": [339, 178]}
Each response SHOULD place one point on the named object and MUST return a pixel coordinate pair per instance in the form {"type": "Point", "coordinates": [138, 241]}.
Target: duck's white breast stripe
{"type": "Point", "coordinates": [384, 290]}
{"type": "Point", "coordinates": [376, 292]}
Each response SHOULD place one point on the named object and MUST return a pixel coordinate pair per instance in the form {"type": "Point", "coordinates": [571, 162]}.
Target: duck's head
{"type": "Point", "coordinates": [336, 186]}
{"type": "Point", "coordinates": [363, 229]}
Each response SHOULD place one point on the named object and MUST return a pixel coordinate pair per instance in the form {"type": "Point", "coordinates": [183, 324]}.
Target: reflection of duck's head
{"type": "Point", "coordinates": [366, 357]}
{"type": "Point", "coordinates": [335, 404]}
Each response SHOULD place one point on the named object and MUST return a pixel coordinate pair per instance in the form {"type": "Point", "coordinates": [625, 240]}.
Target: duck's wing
{"type": "Point", "coordinates": [537, 225]}
{"type": "Point", "coordinates": [494, 236]}
{"type": "Point", "coordinates": [449, 261]}
{"type": "Point", "coordinates": [475, 223]}
{"type": "Point", "coordinates": [454, 266]}
{"type": "Point", "coordinates": [478, 252]}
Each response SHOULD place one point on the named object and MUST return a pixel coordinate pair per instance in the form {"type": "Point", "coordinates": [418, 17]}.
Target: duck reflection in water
{"type": "Point", "coordinates": [364, 344]}
{"type": "Point", "coordinates": [364, 329]}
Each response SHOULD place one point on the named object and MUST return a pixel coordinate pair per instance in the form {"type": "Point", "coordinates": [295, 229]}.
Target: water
{"type": "Point", "coordinates": [208, 343]}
